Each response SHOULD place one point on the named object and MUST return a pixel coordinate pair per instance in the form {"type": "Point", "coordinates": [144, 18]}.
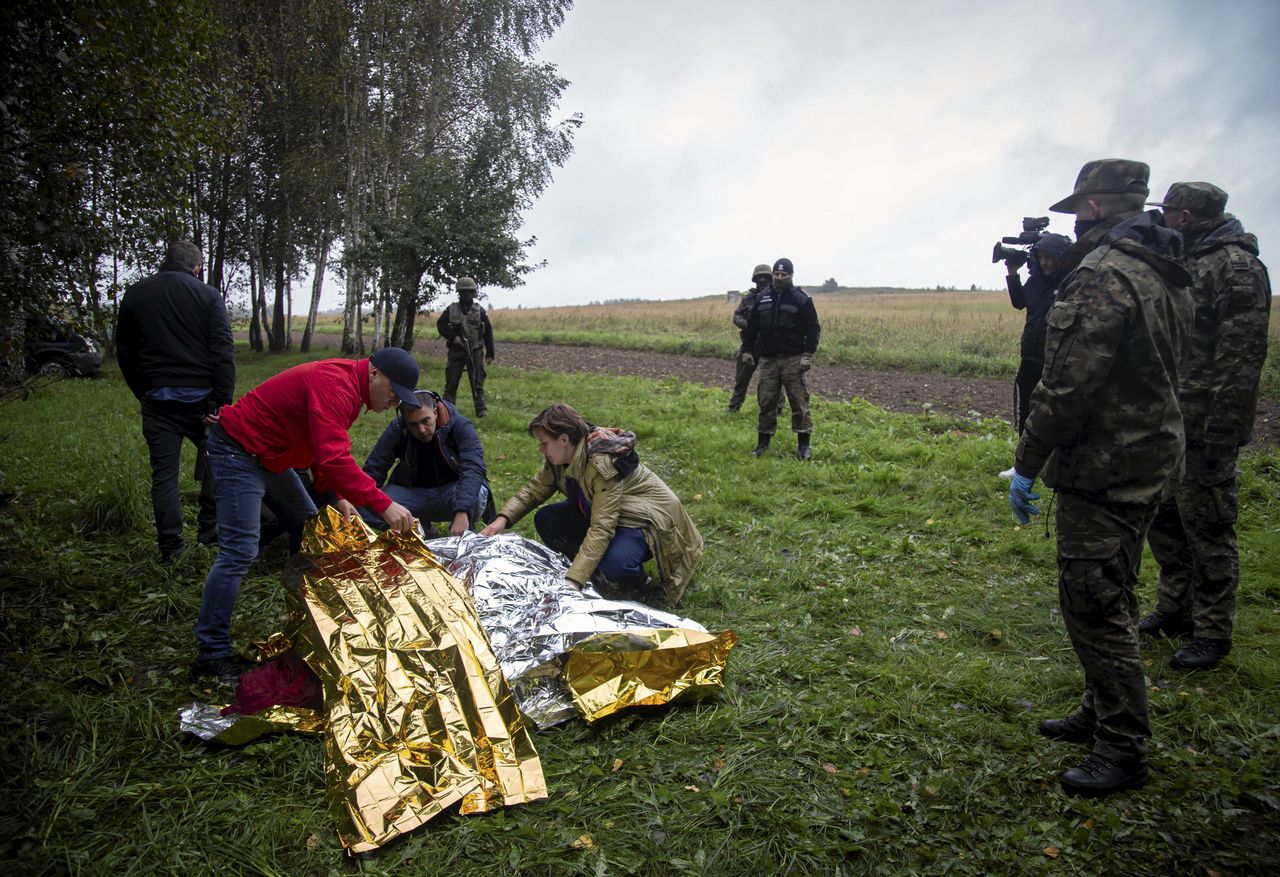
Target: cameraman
{"type": "Point", "coordinates": [1046, 266]}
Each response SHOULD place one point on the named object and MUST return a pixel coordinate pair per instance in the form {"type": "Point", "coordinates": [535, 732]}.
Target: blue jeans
{"type": "Point", "coordinates": [427, 504]}
{"type": "Point", "coordinates": [241, 482]}
{"type": "Point", "coordinates": [562, 527]}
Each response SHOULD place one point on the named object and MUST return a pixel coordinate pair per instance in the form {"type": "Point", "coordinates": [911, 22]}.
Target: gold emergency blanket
{"type": "Point", "coordinates": [418, 714]}
{"type": "Point", "coordinates": [612, 671]}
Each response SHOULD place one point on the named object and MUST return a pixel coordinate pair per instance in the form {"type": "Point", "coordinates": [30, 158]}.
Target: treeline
{"type": "Point", "coordinates": [406, 135]}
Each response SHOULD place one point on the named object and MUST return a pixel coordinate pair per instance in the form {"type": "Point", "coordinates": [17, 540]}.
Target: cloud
{"type": "Point", "coordinates": [882, 144]}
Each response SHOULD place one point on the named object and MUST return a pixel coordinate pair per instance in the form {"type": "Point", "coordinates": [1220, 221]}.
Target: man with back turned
{"type": "Point", "coordinates": [1106, 433]}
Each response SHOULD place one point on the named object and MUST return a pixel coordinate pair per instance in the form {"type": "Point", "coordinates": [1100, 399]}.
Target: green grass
{"type": "Point", "coordinates": [899, 639]}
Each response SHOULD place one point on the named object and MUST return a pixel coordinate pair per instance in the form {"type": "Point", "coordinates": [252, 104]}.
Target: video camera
{"type": "Point", "coordinates": [1033, 228]}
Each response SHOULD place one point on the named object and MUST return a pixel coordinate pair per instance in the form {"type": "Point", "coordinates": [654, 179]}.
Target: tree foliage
{"type": "Point", "coordinates": [410, 133]}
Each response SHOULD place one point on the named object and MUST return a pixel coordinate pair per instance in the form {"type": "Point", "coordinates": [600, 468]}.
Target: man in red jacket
{"type": "Point", "coordinates": [295, 420]}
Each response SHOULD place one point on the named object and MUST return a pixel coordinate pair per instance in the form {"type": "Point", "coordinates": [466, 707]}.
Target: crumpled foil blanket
{"type": "Point", "coordinates": [535, 620]}
{"type": "Point", "coordinates": [432, 675]}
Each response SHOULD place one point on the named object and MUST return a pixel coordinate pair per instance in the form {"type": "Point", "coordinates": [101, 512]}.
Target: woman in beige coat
{"type": "Point", "coordinates": [617, 514]}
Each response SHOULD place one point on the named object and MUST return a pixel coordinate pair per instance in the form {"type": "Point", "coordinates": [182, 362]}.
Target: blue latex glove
{"type": "Point", "coordinates": [1020, 497]}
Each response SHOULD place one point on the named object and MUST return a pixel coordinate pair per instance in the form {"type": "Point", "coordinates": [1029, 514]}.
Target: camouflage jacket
{"type": "Point", "coordinates": [1228, 344]}
{"type": "Point", "coordinates": [1104, 419]}
{"type": "Point", "coordinates": [742, 313]}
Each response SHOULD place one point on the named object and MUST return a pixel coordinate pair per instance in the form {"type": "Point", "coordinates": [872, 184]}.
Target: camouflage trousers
{"type": "Point", "coordinates": [779, 374]}
{"type": "Point", "coordinates": [1099, 550]}
{"type": "Point", "coordinates": [455, 365]}
{"type": "Point", "coordinates": [743, 369]}
{"type": "Point", "coordinates": [1193, 538]}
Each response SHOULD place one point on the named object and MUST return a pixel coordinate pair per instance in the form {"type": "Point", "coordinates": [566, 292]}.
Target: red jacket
{"type": "Point", "coordinates": [299, 419]}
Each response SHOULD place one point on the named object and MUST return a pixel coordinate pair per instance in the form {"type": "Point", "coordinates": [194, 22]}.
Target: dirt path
{"type": "Point", "coordinates": [901, 391]}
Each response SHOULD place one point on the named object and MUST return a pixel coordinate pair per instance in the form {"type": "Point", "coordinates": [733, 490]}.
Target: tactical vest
{"type": "Point", "coordinates": [469, 324]}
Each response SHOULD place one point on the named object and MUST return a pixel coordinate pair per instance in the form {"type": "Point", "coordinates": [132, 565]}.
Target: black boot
{"type": "Point", "coordinates": [762, 443]}
{"type": "Point", "coordinates": [1158, 623]}
{"type": "Point", "coordinates": [1200, 654]}
{"type": "Point", "coordinates": [1098, 775]}
{"type": "Point", "coordinates": [1075, 728]}
{"type": "Point", "coordinates": [802, 446]}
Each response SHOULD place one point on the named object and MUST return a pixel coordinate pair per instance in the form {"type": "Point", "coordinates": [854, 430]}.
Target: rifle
{"type": "Point", "coordinates": [471, 381]}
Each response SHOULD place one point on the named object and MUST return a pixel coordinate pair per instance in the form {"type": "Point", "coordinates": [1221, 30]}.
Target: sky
{"type": "Point", "coordinates": [880, 144]}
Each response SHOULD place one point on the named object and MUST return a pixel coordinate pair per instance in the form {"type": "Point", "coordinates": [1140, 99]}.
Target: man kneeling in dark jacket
{"type": "Point", "coordinates": [439, 472]}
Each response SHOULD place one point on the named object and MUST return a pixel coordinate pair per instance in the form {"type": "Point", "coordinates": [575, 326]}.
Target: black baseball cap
{"type": "Point", "coordinates": [401, 369]}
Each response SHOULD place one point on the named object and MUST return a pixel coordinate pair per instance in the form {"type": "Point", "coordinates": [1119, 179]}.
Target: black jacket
{"type": "Point", "coordinates": [453, 454]}
{"type": "Point", "coordinates": [782, 324]}
{"type": "Point", "coordinates": [1036, 296]}
{"type": "Point", "coordinates": [172, 331]}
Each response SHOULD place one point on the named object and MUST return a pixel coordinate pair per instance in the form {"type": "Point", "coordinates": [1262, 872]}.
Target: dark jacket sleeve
{"type": "Point", "coordinates": [752, 333]}
{"type": "Point", "coordinates": [443, 327]}
{"type": "Point", "coordinates": [222, 350]}
{"type": "Point", "coordinates": [1016, 298]}
{"type": "Point", "coordinates": [465, 445]}
{"type": "Point", "coordinates": [813, 329]}
{"type": "Point", "coordinates": [127, 348]}
{"type": "Point", "coordinates": [384, 454]}
{"type": "Point", "coordinates": [488, 335]}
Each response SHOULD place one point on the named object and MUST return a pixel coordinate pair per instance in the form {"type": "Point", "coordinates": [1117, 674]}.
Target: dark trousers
{"type": "Point", "coordinates": [1193, 538]}
{"type": "Point", "coordinates": [1099, 549]}
{"type": "Point", "coordinates": [164, 426]}
{"type": "Point", "coordinates": [562, 527]}
{"type": "Point", "coordinates": [1029, 372]}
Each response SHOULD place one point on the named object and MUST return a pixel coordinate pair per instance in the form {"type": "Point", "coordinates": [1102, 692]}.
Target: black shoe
{"type": "Point", "coordinates": [1075, 728]}
{"type": "Point", "coordinates": [1098, 775]}
{"type": "Point", "coordinates": [1158, 623]}
{"type": "Point", "coordinates": [1200, 654]}
{"type": "Point", "coordinates": [170, 556]}
{"type": "Point", "coordinates": [226, 669]}
{"type": "Point", "coordinates": [733, 409]}
{"type": "Point", "coordinates": [802, 447]}
{"type": "Point", "coordinates": [208, 536]}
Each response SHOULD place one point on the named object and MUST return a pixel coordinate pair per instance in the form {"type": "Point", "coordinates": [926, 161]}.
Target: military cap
{"type": "Point", "coordinates": [783, 266]}
{"type": "Point", "coordinates": [1202, 199]}
{"type": "Point", "coordinates": [466, 283]}
{"type": "Point", "coordinates": [1113, 176]}
{"type": "Point", "coordinates": [760, 269]}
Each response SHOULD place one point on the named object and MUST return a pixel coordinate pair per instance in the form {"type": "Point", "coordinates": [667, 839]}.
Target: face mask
{"type": "Point", "coordinates": [781, 284]}
{"type": "Point", "coordinates": [1084, 226]}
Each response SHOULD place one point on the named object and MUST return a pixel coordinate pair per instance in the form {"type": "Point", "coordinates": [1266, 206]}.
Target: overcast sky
{"type": "Point", "coordinates": [882, 144]}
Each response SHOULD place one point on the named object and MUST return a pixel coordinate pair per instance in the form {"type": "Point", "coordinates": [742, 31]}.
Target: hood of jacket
{"type": "Point", "coordinates": [1145, 237]}
{"type": "Point", "coordinates": [1222, 230]}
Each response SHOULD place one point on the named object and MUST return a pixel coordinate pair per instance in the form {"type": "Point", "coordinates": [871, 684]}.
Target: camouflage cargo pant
{"type": "Point", "coordinates": [779, 373]}
{"type": "Point", "coordinates": [458, 363]}
{"type": "Point", "coordinates": [1099, 550]}
{"type": "Point", "coordinates": [742, 372]}
{"type": "Point", "coordinates": [1193, 538]}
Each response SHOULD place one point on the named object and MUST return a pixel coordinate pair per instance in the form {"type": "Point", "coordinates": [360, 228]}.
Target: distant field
{"type": "Point", "coordinates": [957, 333]}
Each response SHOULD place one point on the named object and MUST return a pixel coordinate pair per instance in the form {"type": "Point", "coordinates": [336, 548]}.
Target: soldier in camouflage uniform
{"type": "Point", "coordinates": [782, 333]}
{"type": "Point", "coordinates": [744, 362]}
{"type": "Point", "coordinates": [465, 326]}
{"type": "Point", "coordinates": [1193, 537]}
{"type": "Point", "coordinates": [1105, 430]}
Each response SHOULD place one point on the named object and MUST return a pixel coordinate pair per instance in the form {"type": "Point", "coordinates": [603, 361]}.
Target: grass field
{"type": "Point", "coordinates": [956, 333]}
{"type": "Point", "coordinates": [899, 639]}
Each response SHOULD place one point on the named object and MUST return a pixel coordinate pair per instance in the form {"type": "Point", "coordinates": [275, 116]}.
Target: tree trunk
{"type": "Point", "coordinates": [277, 310]}
{"type": "Point", "coordinates": [317, 286]}
{"type": "Point", "coordinates": [255, 326]}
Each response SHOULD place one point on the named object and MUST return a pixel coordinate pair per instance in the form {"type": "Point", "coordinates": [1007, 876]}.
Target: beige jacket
{"type": "Point", "coordinates": [641, 500]}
